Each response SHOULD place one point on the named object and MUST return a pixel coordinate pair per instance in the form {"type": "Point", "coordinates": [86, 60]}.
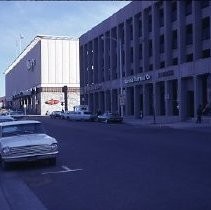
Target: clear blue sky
{"type": "Point", "coordinates": [59, 18]}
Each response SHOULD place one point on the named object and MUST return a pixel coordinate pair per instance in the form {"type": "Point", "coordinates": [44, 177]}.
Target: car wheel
{"type": "Point", "coordinates": [4, 165]}
{"type": "Point", "coordinates": [52, 161]}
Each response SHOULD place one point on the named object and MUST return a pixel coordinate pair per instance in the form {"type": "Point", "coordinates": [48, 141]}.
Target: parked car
{"type": "Point", "coordinates": [26, 141]}
{"type": "Point", "coordinates": [81, 116]}
{"type": "Point", "coordinates": [6, 118]}
{"type": "Point", "coordinates": [15, 114]}
{"type": "Point", "coordinates": [65, 115]}
{"type": "Point", "coordinates": [55, 114]}
{"type": "Point", "coordinates": [109, 117]}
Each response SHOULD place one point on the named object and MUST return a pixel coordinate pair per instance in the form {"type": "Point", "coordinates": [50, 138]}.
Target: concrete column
{"type": "Point", "coordinates": [167, 32]}
{"type": "Point", "coordinates": [127, 48]}
{"type": "Point", "coordinates": [127, 105]}
{"type": "Point", "coordinates": [197, 43]}
{"type": "Point", "coordinates": [156, 98]}
{"type": "Point", "coordinates": [181, 31]}
{"type": "Point", "coordinates": [155, 36]}
{"type": "Point", "coordinates": [135, 46]}
{"type": "Point", "coordinates": [137, 101]}
{"type": "Point", "coordinates": [146, 99]}
{"type": "Point", "coordinates": [209, 88]}
{"type": "Point", "coordinates": [113, 101]}
{"type": "Point", "coordinates": [89, 102]}
{"type": "Point", "coordinates": [197, 93]}
{"type": "Point", "coordinates": [181, 99]}
{"type": "Point", "coordinates": [168, 102]}
{"type": "Point", "coordinates": [145, 41]}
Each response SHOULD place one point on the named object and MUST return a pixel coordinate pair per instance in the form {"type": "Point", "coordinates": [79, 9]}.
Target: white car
{"type": "Point", "coordinates": [6, 118]}
{"type": "Point", "coordinates": [26, 141]}
{"type": "Point", "coordinates": [81, 115]}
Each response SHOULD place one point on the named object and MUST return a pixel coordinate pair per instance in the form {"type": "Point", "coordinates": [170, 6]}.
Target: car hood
{"type": "Point", "coordinates": [27, 140]}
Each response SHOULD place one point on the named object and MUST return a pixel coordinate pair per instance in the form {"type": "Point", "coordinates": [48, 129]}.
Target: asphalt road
{"type": "Point", "coordinates": [116, 167]}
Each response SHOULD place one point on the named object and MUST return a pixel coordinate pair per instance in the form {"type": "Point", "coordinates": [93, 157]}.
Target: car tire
{"type": "Point", "coordinates": [4, 165]}
{"type": "Point", "coordinates": [52, 161]}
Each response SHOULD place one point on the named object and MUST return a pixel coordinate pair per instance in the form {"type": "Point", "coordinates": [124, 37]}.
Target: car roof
{"type": "Point", "coordinates": [21, 122]}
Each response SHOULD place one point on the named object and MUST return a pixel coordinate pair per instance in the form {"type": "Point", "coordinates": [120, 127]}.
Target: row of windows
{"type": "Point", "coordinates": [187, 9]}
{"type": "Point", "coordinates": [204, 32]}
{"type": "Point", "coordinates": [113, 74]}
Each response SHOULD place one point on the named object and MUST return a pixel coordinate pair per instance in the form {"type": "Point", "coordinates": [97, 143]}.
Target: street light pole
{"type": "Point", "coordinates": [122, 97]}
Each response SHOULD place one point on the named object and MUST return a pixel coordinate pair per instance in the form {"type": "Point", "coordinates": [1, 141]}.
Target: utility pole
{"type": "Point", "coordinates": [64, 90]}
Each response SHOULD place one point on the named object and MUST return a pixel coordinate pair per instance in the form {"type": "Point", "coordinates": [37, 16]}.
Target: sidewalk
{"type": "Point", "coordinates": [176, 125]}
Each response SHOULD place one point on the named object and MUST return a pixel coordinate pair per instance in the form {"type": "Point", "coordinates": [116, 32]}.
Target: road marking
{"type": "Point", "coordinates": [66, 170]}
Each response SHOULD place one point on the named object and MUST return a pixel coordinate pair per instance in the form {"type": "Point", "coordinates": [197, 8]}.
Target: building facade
{"type": "Point", "coordinates": [35, 79]}
{"type": "Point", "coordinates": [151, 58]}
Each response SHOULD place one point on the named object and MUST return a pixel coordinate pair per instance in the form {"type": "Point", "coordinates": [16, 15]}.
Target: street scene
{"type": "Point", "coordinates": [115, 166]}
{"type": "Point", "coordinates": [105, 105]}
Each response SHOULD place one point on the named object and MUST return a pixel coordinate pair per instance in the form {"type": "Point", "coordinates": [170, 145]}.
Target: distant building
{"type": "Point", "coordinates": [2, 102]}
{"type": "Point", "coordinates": [35, 79]}
{"type": "Point", "coordinates": [151, 57]}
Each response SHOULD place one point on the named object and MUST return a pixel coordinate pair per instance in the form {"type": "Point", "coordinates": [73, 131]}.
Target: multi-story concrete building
{"type": "Point", "coordinates": [35, 79]}
{"type": "Point", "coordinates": [151, 57]}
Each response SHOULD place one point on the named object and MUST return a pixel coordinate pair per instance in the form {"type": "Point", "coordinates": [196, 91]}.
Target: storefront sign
{"type": "Point", "coordinates": [137, 79]}
{"type": "Point", "coordinates": [93, 87]}
{"type": "Point", "coordinates": [52, 102]}
{"type": "Point", "coordinates": [166, 73]}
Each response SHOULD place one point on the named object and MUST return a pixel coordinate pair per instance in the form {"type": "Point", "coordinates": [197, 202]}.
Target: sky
{"type": "Point", "coordinates": [58, 18]}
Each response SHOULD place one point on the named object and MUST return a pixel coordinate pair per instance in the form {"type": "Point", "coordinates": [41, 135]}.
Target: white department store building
{"type": "Point", "coordinates": [37, 76]}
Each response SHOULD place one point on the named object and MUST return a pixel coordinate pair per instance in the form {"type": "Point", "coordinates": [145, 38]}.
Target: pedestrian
{"type": "Point", "coordinates": [141, 114]}
{"type": "Point", "coordinates": [199, 114]}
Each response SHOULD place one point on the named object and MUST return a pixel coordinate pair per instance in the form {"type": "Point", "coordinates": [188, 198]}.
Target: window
{"type": "Point", "coordinates": [131, 55]}
{"type": "Point", "coordinates": [174, 39]}
{"type": "Point", "coordinates": [150, 48]}
{"type": "Point", "coordinates": [205, 28]}
{"type": "Point", "coordinates": [150, 67]}
{"type": "Point", "coordinates": [206, 53]}
{"type": "Point", "coordinates": [189, 57]}
{"type": "Point", "coordinates": [139, 28]}
{"type": "Point", "coordinates": [204, 3]}
{"type": "Point", "coordinates": [123, 57]}
{"type": "Point", "coordinates": [162, 44]}
{"type": "Point", "coordinates": [140, 51]}
{"type": "Point", "coordinates": [161, 18]}
{"type": "Point", "coordinates": [131, 32]}
{"type": "Point", "coordinates": [189, 34]}
{"type": "Point", "coordinates": [150, 23]}
{"type": "Point", "coordinates": [174, 11]}
{"type": "Point", "coordinates": [140, 69]}
{"type": "Point", "coordinates": [162, 64]}
{"type": "Point", "coordinates": [131, 72]}
{"type": "Point", "coordinates": [188, 7]}
{"type": "Point", "coordinates": [175, 61]}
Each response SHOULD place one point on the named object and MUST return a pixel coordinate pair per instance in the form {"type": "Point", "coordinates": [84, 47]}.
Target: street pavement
{"type": "Point", "coordinates": [190, 125]}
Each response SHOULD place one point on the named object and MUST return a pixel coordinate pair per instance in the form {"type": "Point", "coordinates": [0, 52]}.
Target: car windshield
{"type": "Point", "coordinates": [113, 115]}
{"type": "Point", "coordinates": [22, 129]}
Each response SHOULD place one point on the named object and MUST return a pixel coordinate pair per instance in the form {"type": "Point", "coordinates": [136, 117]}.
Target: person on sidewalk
{"type": "Point", "coordinates": [199, 114]}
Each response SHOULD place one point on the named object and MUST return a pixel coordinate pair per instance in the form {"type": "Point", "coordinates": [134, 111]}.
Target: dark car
{"type": "Point", "coordinates": [56, 114]}
{"type": "Point", "coordinates": [109, 117]}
